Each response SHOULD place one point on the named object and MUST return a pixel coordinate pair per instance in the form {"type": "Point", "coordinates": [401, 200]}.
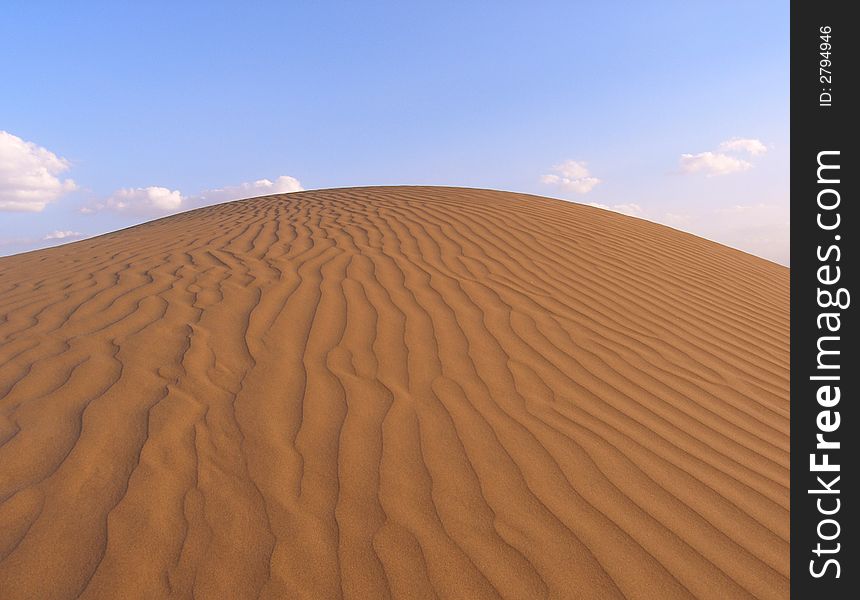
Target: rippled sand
{"type": "Point", "coordinates": [406, 392]}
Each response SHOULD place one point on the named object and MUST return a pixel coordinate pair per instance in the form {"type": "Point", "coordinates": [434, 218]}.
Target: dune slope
{"type": "Point", "coordinates": [406, 392]}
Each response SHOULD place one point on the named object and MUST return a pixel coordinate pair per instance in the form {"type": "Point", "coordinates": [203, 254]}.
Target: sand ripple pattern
{"type": "Point", "coordinates": [405, 392]}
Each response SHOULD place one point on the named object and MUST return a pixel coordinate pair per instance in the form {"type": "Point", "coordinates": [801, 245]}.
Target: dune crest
{"type": "Point", "coordinates": [406, 392]}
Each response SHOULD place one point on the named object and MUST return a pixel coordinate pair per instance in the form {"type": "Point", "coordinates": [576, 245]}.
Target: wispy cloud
{"type": "Point", "coordinates": [62, 235]}
{"type": "Point", "coordinates": [632, 209]}
{"type": "Point", "coordinates": [32, 242]}
{"type": "Point", "coordinates": [751, 146]}
{"type": "Point", "coordinates": [713, 163]}
{"type": "Point", "coordinates": [154, 200]}
{"type": "Point", "coordinates": [262, 187]}
{"type": "Point", "coordinates": [571, 175]}
{"type": "Point", "coordinates": [146, 201]}
{"type": "Point", "coordinates": [30, 175]}
{"type": "Point", "coordinates": [726, 160]}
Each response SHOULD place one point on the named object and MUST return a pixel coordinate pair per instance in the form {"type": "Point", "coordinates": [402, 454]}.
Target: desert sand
{"type": "Point", "coordinates": [407, 392]}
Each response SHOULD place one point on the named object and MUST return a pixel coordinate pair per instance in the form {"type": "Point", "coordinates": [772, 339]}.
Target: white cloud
{"type": "Point", "coordinates": [725, 160]}
{"type": "Point", "coordinates": [262, 187]}
{"type": "Point", "coordinates": [29, 175]}
{"type": "Point", "coordinates": [712, 163]}
{"type": "Point", "coordinates": [571, 175]}
{"type": "Point", "coordinates": [13, 245]}
{"type": "Point", "coordinates": [751, 146]}
{"type": "Point", "coordinates": [62, 235]}
{"type": "Point", "coordinates": [631, 209]}
{"type": "Point", "coordinates": [153, 200]}
{"type": "Point", "coordinates": [572, 169]}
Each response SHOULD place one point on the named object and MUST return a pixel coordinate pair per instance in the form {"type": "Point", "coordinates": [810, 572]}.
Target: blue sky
{"type": "Point", "coordinates": [677, 112]}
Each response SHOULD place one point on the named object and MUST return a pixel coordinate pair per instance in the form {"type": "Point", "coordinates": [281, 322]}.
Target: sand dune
{"type": "Point", "coordinates": [405, 392]}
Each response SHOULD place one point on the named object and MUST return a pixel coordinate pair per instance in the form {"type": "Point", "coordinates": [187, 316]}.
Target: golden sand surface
{"type": "Point", "coordinates": [407, 392]}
